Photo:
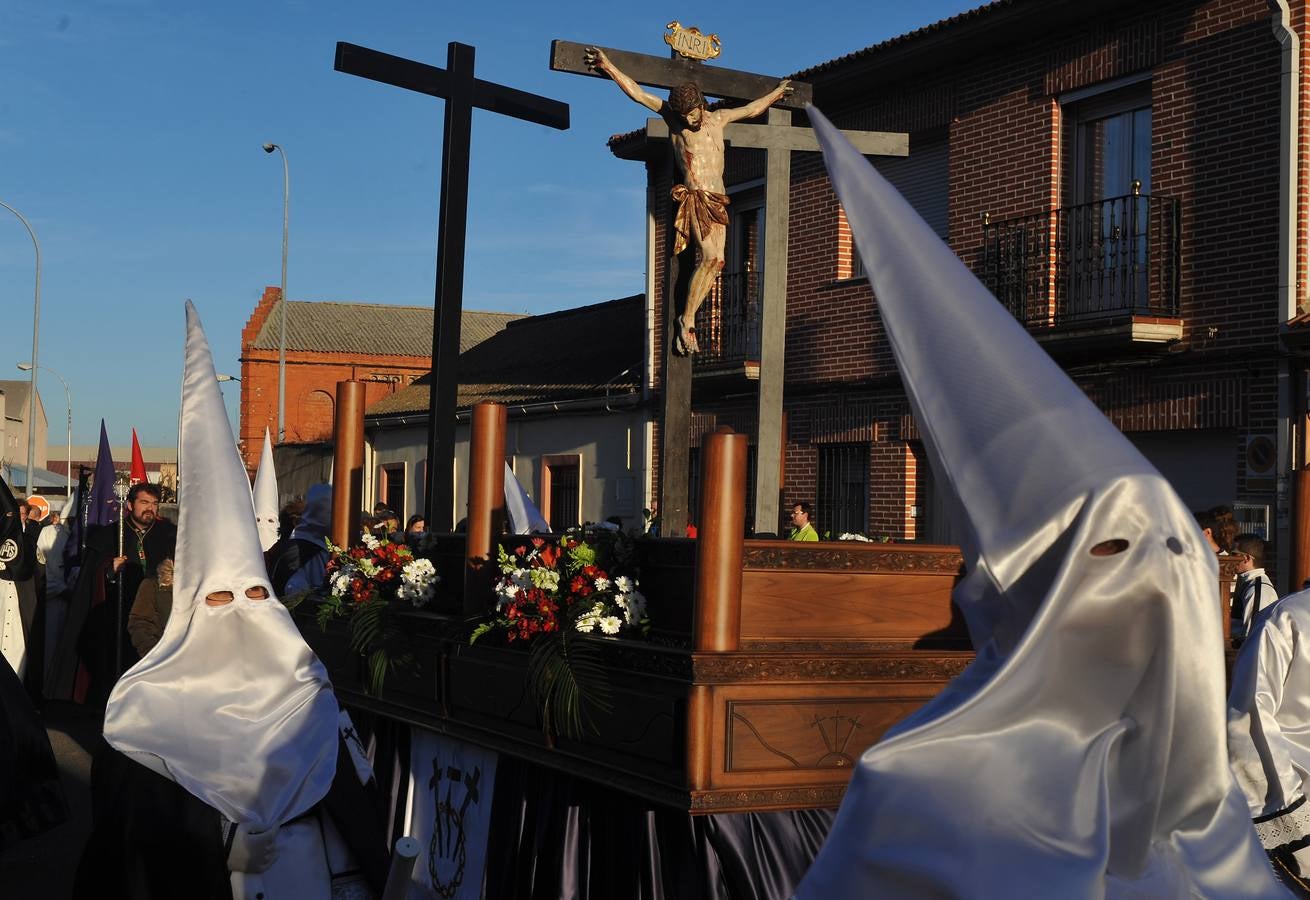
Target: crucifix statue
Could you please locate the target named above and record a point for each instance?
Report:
(698, 136)
(696, 133)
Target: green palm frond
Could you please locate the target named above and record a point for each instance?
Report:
(568, 682)
(367, 625)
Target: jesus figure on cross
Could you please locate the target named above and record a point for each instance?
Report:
(697, 136)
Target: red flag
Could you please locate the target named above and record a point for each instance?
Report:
(138, 473)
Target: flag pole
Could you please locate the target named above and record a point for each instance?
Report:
(120, 489)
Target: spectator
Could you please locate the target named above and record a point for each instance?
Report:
(1205, 520)
(1225, 527)
(1254, 592)
(415, 530)
(801, 527)
(289, 517)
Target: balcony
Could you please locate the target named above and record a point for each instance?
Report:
(728, 329)
(1101, 275)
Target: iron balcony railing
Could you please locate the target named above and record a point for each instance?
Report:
(1110, 258)
(728, 322)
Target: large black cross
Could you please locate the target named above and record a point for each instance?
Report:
(462, 92)
(778, 139)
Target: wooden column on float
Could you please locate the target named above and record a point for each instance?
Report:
(486, 490)
(720, 542)
(348, 463)
(719, 554)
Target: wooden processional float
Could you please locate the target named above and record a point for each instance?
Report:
(771, 665)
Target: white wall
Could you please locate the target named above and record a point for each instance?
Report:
(613, 476)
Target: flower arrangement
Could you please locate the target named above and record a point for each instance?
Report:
(551, 593)
(544, 587)
(379, 570)
(363, 581)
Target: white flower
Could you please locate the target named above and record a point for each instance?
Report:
(589, 620)
(623, 584)
(369, 541)
(419, 572)
(341, 582)
(635, 607)
(602, 584)
(854, 536)
(610, 624)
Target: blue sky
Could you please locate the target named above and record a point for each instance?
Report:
(130, 135)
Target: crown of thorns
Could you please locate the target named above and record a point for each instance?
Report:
(686, 97)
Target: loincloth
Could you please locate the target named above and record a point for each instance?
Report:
(697, 208)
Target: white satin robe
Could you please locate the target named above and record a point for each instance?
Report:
(1269, 723)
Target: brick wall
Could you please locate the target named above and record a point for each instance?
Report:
(1212, 70)
(311, 383)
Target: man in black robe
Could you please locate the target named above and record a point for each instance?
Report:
(148, 540)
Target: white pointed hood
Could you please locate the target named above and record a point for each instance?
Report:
(265, 496)
(1083, 754)
(231, 703)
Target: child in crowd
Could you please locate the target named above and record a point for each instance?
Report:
(1253, 591)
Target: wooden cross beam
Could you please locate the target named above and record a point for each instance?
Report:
(793, 137)
(661, 71)
(462, 93)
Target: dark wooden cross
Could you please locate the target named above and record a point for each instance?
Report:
(462, 92)
(778, 139)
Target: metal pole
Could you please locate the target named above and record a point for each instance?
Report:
(282, 338)
(36, 331)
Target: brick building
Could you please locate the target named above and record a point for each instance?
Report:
(387, 347)
(1128, 179)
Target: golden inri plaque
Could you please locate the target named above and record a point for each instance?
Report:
(690, 43)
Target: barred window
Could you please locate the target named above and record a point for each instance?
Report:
(842, 501)
(694, 487)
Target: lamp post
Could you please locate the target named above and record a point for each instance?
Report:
(68, 403)
(282, 339)
(36, 332)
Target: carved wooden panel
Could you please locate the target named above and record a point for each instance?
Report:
(790, 605)
(775, 736)
(799, 735)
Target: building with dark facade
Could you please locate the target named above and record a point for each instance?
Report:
(1129, 181)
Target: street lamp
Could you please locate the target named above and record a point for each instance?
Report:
(282, 339)
(36, 331)
(68, 403)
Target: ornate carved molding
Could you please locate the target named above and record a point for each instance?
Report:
(946, 561)
(782, 798)
(827, 647)
(646, 659)
(724, 668)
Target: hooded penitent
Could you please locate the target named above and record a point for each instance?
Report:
(265, 495)
(1083, 753)
(231, 703)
